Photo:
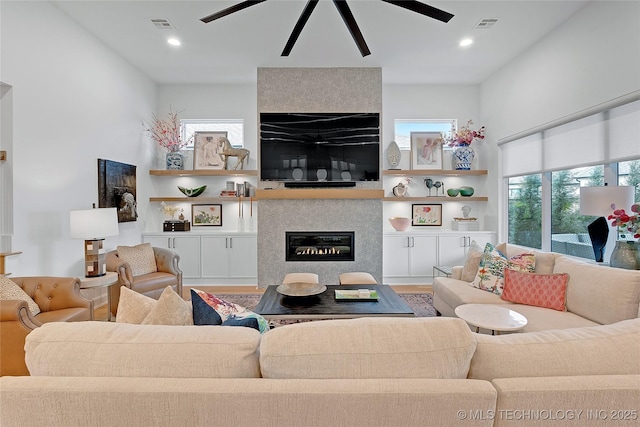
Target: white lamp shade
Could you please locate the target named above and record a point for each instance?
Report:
(94, 223)
(597, 201)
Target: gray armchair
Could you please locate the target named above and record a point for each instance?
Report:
(152, 284)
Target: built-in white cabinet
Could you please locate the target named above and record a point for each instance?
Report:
(409, 257)
(212, 258)
(231, 256)
(187, 246)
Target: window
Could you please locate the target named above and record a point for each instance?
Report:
(233, 127)
(543, 192)
(403, 129)
(525, 211)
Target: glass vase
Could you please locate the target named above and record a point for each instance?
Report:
(624, 255)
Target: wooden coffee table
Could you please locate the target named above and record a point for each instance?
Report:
(492, 317)
(275, 306)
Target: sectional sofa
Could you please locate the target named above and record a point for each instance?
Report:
(359, 372)
(595, 294)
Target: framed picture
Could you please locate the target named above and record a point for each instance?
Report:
(206, 150)
(117, 189)
(426, 150)
(202, 215)
(428, 215)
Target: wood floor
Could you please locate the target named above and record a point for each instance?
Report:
(100, 313)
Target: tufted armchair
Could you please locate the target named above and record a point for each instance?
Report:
(151, 284)
(59, 300)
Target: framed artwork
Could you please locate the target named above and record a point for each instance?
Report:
(203, 215)
(117, 188)
(426, 150)
(206, 150)
(426, 215)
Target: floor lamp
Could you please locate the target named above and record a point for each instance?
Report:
(598, 201)
(93, 225)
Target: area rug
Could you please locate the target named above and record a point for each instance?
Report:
(420, 303)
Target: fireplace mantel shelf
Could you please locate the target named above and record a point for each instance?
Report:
(315, 193)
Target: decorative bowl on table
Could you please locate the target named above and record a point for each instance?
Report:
(466, 191)
(300, 289)
(400, 223)
(192, 192)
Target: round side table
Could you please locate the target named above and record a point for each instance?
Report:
(492, 317)
(101, 282)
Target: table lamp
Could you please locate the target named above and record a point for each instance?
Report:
(597, 201)
(93, 225)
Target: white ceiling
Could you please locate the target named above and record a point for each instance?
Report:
(409, 47)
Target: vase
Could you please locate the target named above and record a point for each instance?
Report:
(624, 255)
(175, 161)
(463, 157)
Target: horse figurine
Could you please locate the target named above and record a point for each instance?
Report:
(226, 150)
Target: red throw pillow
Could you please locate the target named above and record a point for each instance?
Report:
(540, 290)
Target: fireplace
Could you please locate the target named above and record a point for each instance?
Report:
(319, 245)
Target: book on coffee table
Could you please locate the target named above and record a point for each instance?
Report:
(356, 295)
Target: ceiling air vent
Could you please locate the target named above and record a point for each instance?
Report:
(486, 23)
(162, 24)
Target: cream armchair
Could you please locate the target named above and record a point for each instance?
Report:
(151, 284)
(59, 300)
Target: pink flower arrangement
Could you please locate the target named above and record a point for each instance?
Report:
(167, 132)
(626, 223)
(463, 136)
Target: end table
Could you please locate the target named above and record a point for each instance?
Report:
(100, 282)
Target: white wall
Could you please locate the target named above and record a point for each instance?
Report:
(594, 57)
(74, 101)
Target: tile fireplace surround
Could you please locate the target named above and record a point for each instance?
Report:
(319, 90)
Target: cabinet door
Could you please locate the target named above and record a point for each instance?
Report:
(215, 256)
(188, 247)
(452, 249)
(243, 257)
(395, 256)
(424, 255)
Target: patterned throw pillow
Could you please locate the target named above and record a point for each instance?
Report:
(540, 290)
(490, 275)
(9, 290)
(228, 312)
(140, 258)
(133, 307)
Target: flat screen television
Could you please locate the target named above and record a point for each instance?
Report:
(317, 147)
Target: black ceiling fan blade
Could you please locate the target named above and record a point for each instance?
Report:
(302, 21)
(348, 19)
(423, 9)
(230, 10)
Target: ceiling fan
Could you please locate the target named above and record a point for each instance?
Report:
(345, 13)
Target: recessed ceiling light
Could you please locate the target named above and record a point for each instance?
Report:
(174, 42)
(465, 42)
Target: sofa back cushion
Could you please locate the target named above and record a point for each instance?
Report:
(108, 349)
(597, 350)
(369, 348)
(602, 294)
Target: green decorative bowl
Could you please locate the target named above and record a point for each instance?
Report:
(466, 191)
(192, 192)
(453, 192)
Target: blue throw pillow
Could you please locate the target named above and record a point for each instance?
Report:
(203, 313)
(249, 322)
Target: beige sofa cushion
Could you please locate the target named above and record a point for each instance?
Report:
(369, 348)
(602, 294)
(100, 349)
(599, 350)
